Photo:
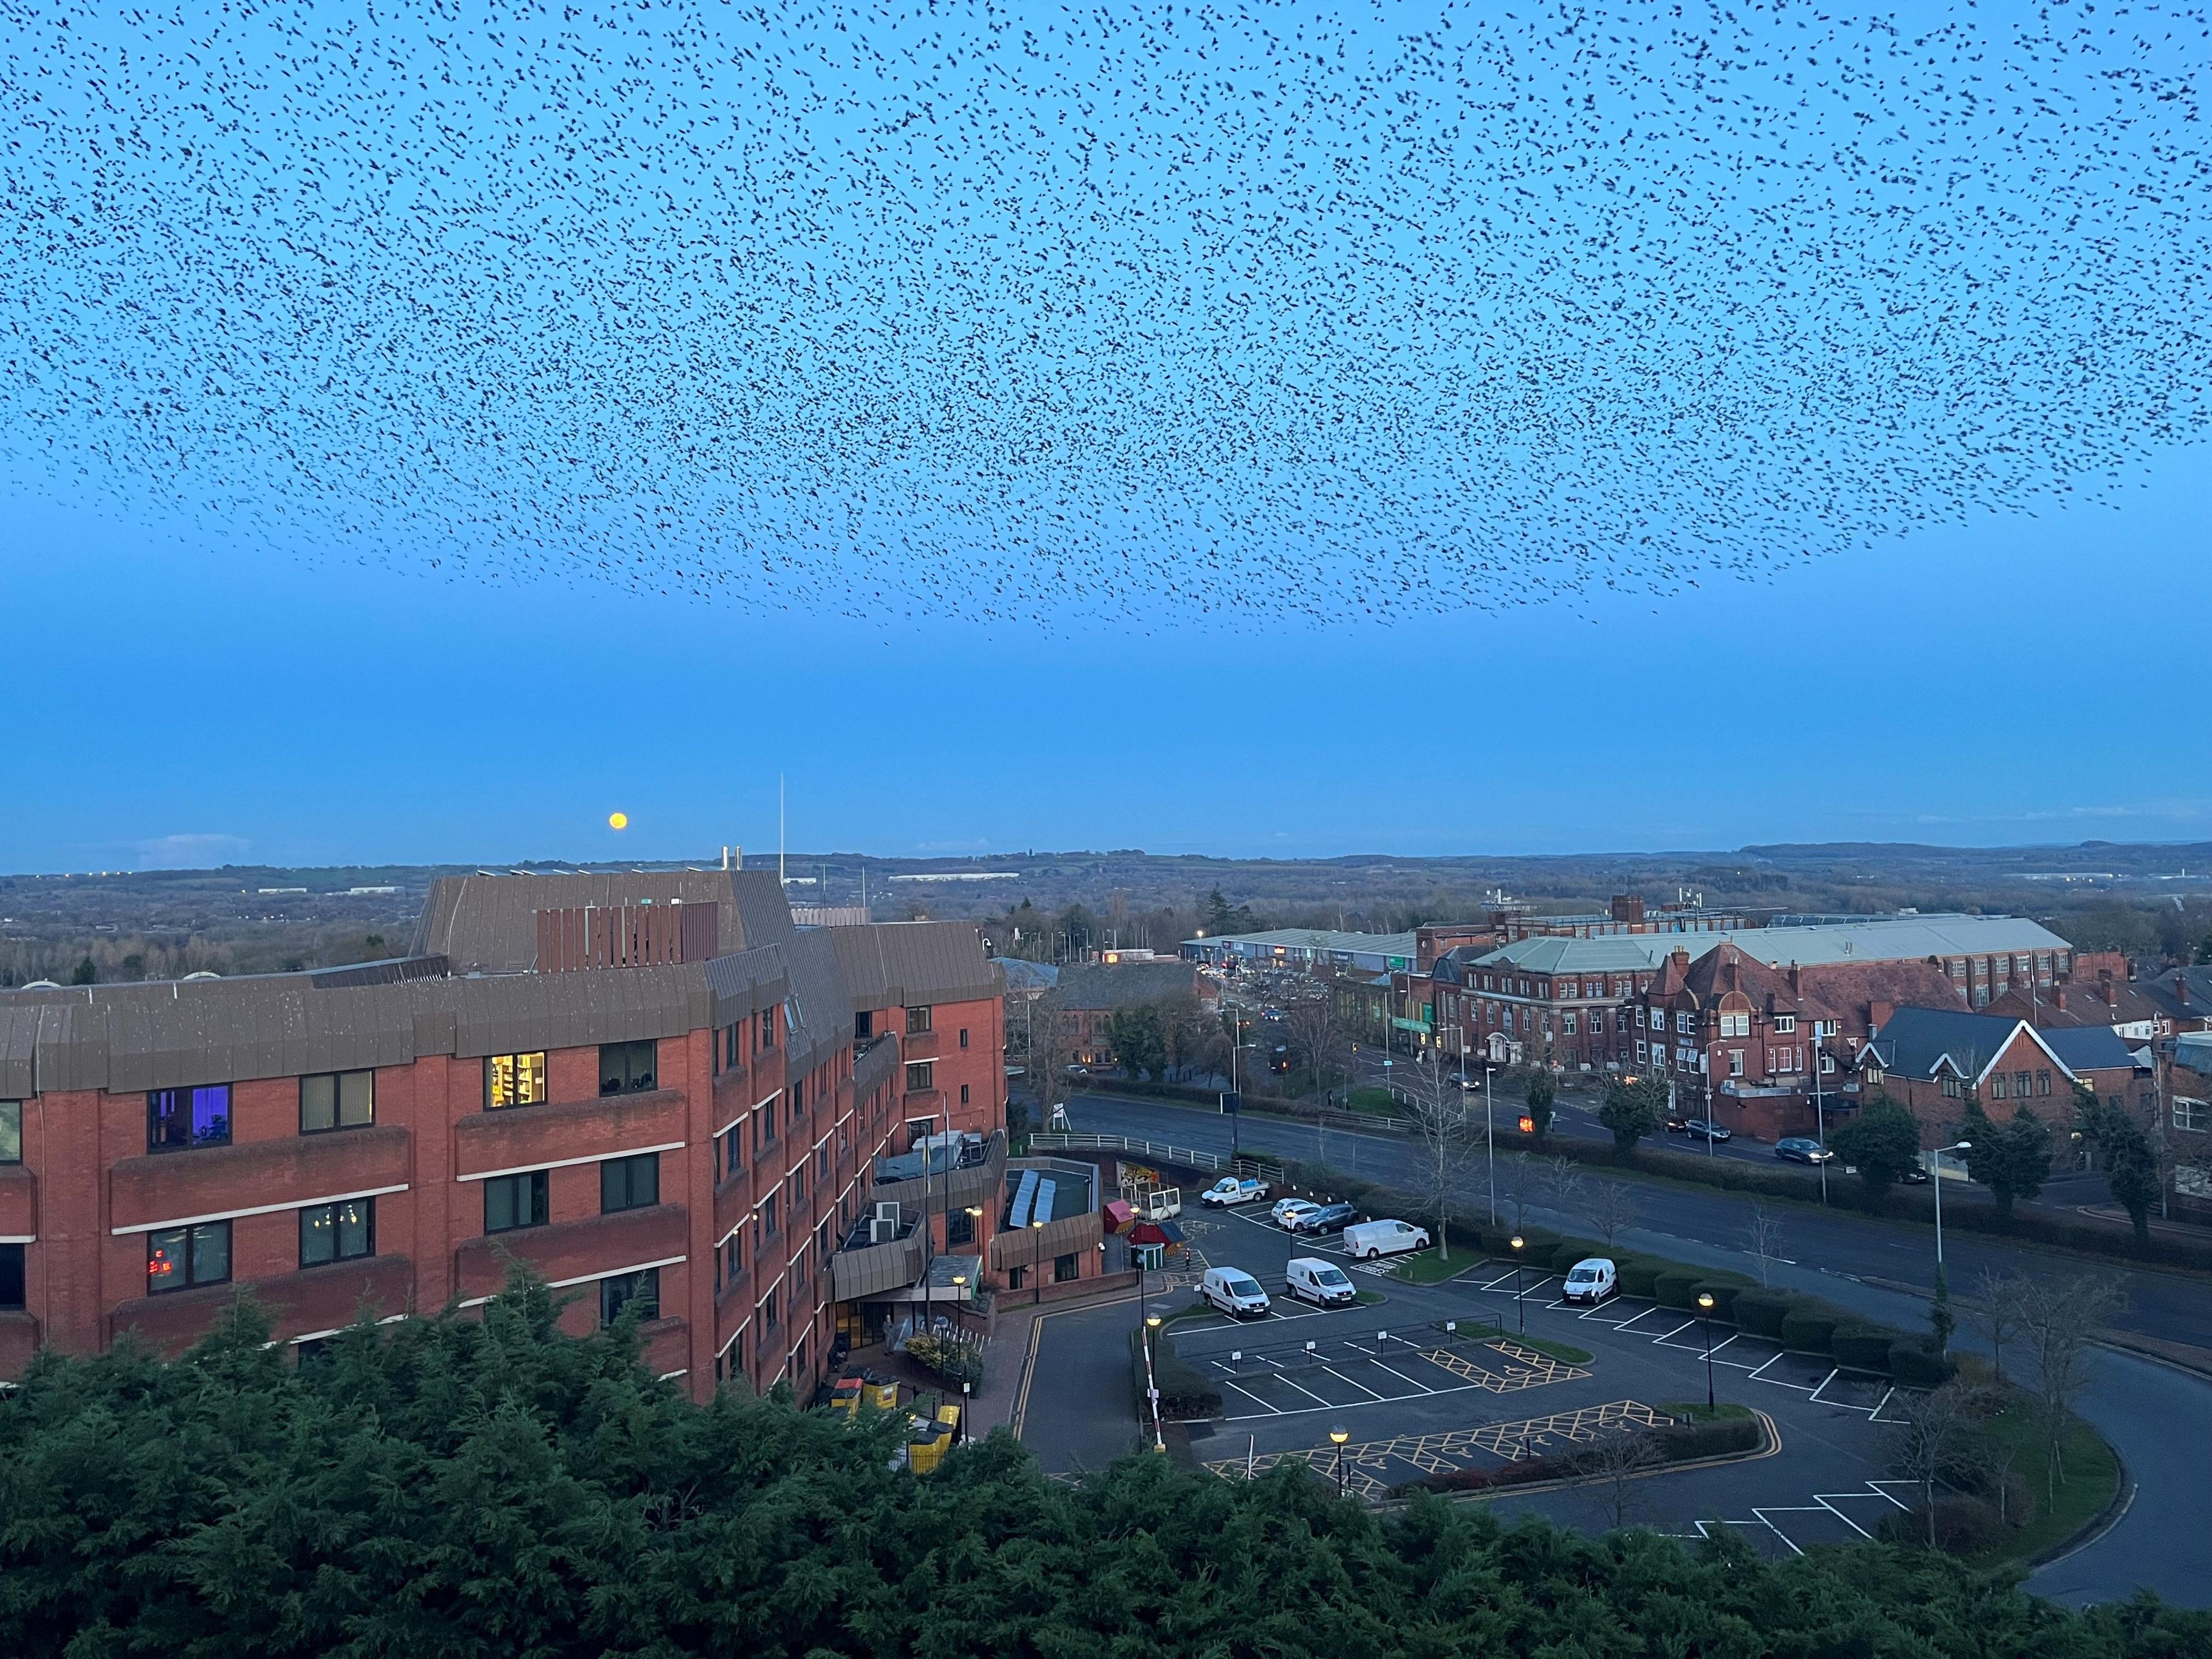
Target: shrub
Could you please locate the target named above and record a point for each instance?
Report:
(1675, 1287)
(1639, 1275)
(1761, 1312)
(1185, 1391)
(1675, 1443)
(1680, 1442)
(1569, 1251)
(1809, 1328)
(1862, 1347)
(1964, 1525)
(947, 1358)
(1913, 1361)
(1723, 1292)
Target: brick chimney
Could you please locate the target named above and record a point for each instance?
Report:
(1793, 979)
(2058, 998)
(2112, 996)
(1681, 959)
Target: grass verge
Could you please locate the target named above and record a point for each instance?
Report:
(1698, 1412)
(1427, 1268)
(2092, 1481)
(1565, 1352)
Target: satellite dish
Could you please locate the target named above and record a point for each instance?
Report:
(42, 985)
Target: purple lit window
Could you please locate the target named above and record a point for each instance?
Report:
(177, 1118)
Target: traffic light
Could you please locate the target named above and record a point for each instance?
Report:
(1528, 1124)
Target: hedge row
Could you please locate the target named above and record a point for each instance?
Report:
(1185, 1391)
(1676, 1443)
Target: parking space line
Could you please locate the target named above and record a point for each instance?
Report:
(1661, 1340)
(1423, 1388)
(1356, 1406)
(1362, 1387)
(1800, 1387)
(1309, 1393)
(1272, 1411)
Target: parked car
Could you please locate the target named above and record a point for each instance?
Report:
(1591, 1279)
(1322, 1283)
(1802, 1149)
(1367, 1240)
(1326, 1220)
(1698, 1130)
(1232, 1190)
(1287, 1208)
(1234, 1291)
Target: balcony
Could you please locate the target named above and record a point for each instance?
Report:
(864, 1267)
(965, 1178)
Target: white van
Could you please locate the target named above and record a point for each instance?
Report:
(1234, 1291)
(1591, 1279)
(1366, 1240)
(1322, 1283)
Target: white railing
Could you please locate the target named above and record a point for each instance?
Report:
(1188, 1156)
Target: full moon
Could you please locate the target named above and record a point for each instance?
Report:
(617, 820)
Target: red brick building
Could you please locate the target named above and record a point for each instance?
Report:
(644, 1086)
(930, 984)
(1933, 1059)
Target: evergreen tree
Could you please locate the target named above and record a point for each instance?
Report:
(86, 973)
(2012, 1159)
(2130, 1159)
(1542, 1094)
(1219, 918)
(1883, 1141)
(1632, 1110)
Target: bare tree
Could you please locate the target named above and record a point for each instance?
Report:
(2060, 1318)
(1318, 1038)
(1763, 1235)
(1939, 1434)
(1612, 1209)
(1049, 1047)
(1563, 1182)
(1520, 1184)
(1614, 1461)
(1442, 1134)
(1997, 1311)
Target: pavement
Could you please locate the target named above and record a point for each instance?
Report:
(2152, 1412)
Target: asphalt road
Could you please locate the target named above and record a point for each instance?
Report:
(2153, 1414)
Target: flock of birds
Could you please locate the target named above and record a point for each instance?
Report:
(1133, 311)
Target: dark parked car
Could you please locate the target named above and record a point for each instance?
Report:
(1697, 1128)
(1326, 1220)
(1804, 1149)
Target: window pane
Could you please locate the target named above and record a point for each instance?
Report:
(642, 1058)
(11, 1131)
(356, 1228)
(212, 1253)
(356, 1099)
(211, 1114)
(499, 1204)
(645, 1179)
(613, 1058)
(319, 1103)
(11, 1276)
(164, 1259)
(318, 1228)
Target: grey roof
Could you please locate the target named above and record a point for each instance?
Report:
(2088, 1047)
(1317, 939)
(1923, 1042)
(1022, 975)
(1880, 939)
(488, 924)
(823, 1010)
(1093, 985)
(1609, 953)
(2194, 1050)
(907, 964)
(2166, 992)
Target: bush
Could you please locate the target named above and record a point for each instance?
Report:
(1186, 1392)
(1639, 1275)
(1914, 1362)
(947, 1358)
(1676, 1443)
(1676, 1287)
(1680, 1442)
(1761, 1312)
(1810, 1328)
(1723, 1292)
(1862, 1347)
(1568, 1251)
(1964, 1525)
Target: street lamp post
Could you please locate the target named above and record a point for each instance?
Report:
(1520, 1304)
(1490, 1138)
(1705, 1319)
(1962, 1147)
(1337, 1438)
(1151, 1377)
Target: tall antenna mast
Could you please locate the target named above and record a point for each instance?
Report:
(779, 829)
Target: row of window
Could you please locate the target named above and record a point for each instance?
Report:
(1621, 989)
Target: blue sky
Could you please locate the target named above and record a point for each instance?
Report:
(182, 697)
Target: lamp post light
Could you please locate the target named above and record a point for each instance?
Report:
(1337, 1438)
(1520, 1304)
(1152, 1380)
(1705, 1319)
(1490, 1138)
(1937, 1173)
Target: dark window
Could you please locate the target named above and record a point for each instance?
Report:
(630, 1184)
(799, 1187)
(1014, 1278)
(626, 1068)
(2042, 1083)
(515, 1201)
(964, 1094)
(337, 1232)
(920, 1074)
(1064, 1267)
(513, 1080)
(917, 1020)
(798, 1095)
(730, 1047)
(963, 1036)
(822, 1160)
(11, 1131)
(768, 1313)
(959, 1229)
(864, 1025)
(767, 1027)
(733, 1151)
(767, 1137)
(177, 1118)
(177, 1257)
(617, 1292)
(2021, 1082)
(11, 1276)
(734, 1254)
(768, 1215)
(336, 1100)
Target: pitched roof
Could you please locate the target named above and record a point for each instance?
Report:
(1843, 994)
(908, 964)
(1317, 939)
(2089, 1047)
(1022, 975)
(1609, 953)
(2184, 994)
(2105, 1002)
(1898, 939)
(1923, 1042)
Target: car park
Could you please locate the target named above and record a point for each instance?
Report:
(1366, 1240)
(1232, 1190)
(1698, 1130)
(1322, 1283)
(1591, 1279)
(1802, 1149)
(1326, 1220)
(1287, 1209)
(1235, 1292)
